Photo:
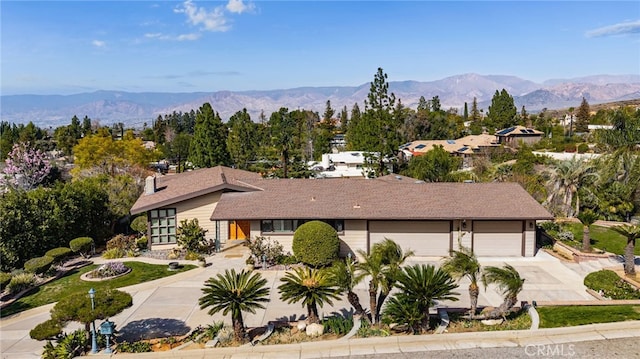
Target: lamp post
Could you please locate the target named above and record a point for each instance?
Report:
(94, 340)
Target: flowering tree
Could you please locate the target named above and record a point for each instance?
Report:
(25, 167)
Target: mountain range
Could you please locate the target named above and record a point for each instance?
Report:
(134, 109)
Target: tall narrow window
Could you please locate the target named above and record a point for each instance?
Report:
(163, 225)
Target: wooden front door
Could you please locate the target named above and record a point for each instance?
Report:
(239, 229)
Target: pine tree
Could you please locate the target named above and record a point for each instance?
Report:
(209, 144)
(344, 119)
(524, 116)
(502, 112)
(465, 114)
(242, 139)
(582, 116)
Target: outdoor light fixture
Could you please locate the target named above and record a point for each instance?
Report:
(464, 224)
(94, 340)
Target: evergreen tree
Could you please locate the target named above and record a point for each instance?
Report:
(283, 130)
(423, 105)
(242, 140)
(344, 119)
(524, 117)
(209, 144)
(435, 104)
(465, 115)
(582, 116)
(502, 112)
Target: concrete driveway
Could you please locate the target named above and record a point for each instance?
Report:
(169, 306)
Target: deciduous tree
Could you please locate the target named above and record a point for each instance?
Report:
(25, 168)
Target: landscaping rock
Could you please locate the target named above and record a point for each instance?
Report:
(314, 330)
(301, 325)
(492, 321)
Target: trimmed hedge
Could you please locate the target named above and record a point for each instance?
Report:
(611, 285)
(59, 254)
(48, 330)
(81, 245)
(38, 265)
(5, 278)
(316, 243)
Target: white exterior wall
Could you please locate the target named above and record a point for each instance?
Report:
(425, 238)
(530, 239)
(201, 208)
(461, 236)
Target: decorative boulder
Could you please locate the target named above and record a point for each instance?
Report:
(492, 321)
(314, 330)
(301, 325)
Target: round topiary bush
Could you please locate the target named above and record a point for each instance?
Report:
(59, 254)
(139, 224)
(316, 243)
(38, 265)
(81, 245)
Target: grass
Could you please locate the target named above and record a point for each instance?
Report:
(554, 317)
(71, 283)
(602, 238)
(515, 321)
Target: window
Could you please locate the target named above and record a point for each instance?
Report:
(163, 225)
(290, 225)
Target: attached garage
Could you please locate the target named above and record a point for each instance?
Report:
(425, 238)
(497, 238)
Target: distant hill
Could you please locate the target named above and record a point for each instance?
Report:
(135, 108)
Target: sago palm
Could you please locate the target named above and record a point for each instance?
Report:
(235, 293)
(310, 286)
(345, 276)
(632, 233)
(464, 264)
(587, 217)
(419, 286)
(509, 283)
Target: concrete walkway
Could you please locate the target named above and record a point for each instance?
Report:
(169, 306)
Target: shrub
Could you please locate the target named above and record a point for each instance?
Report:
(192, 256)
(38, 265)
(142, 243)
(72, 345)
(20, 282)
(46, 330)
(139, 224)
(113, 253)
(81, 245)
(5, 278)
(264, 246)
(338, 325)
(288, 259)
(583, 147)
(316, 243)
(59, 254)
(550, 227)
(610, 285)
(123, 242)
(191, 236)
(565, 236)
(135, 347)
(109, 269)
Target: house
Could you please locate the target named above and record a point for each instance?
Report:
(494, 219)
(516, 135)
(341, 164)
(465, 147)
(169, 199)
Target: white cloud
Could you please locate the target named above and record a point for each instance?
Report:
(98, 43)
(238, 7)
(630, 27)
(155, 35)
(188, 37)
(183, 37)
(210, 20)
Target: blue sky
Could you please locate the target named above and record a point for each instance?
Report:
(65, 47)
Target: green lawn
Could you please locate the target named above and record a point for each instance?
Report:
(554, 317)
(71, 283)
(603, 238)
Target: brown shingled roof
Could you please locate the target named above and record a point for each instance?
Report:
(378, 199)
(179, 187)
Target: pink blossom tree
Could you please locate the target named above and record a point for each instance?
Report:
(25, 167)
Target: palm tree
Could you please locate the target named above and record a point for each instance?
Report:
(235, 292)
(565, 179)
(419, 286)
(632, 233)
(587, 218)
(382, 266)
(464, 264)
(345, 276)
(311, 286)
(509, 283)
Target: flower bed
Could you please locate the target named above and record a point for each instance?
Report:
(106, 271)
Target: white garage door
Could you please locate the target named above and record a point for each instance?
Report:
(425, 238)
(497, 238)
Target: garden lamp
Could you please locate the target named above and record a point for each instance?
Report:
(94, 340)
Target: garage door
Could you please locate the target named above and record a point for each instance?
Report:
(425, 238)
(497, 238)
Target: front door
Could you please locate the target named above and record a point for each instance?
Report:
(239, 229)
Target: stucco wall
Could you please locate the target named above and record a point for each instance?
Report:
(201, 208)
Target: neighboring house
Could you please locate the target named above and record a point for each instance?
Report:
(517, 135)
(167, 200)
(341, 164)
(464, 147)
(494, 219)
